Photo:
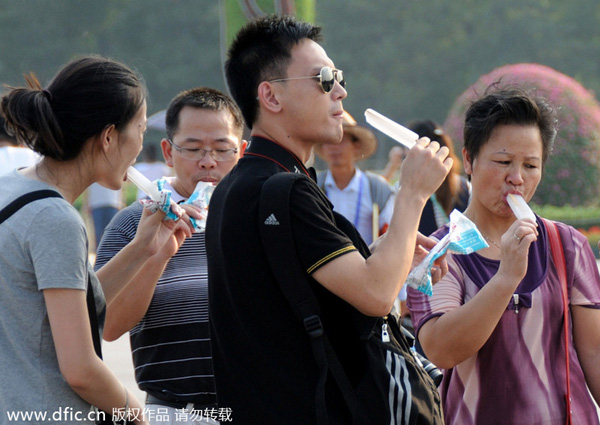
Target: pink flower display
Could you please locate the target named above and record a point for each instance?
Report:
(572, 173)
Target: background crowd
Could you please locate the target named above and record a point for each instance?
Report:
(356, 235)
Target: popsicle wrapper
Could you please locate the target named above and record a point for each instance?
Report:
(201, 198)
(164, 204)
(463, 238)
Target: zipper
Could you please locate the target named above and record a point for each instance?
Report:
(385, 336)
(516, 303)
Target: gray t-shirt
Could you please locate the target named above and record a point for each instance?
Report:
(43, 245)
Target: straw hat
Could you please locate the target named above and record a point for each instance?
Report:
(365, 138)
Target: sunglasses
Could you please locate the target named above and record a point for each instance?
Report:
(327, 78)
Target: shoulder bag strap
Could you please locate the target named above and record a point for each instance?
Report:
(23, 200)
(558, 256)
(276, 234)
(91, 305)
(15, 206)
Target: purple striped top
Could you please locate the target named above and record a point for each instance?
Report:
(518, 376)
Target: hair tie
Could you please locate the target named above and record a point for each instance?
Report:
(47, 94)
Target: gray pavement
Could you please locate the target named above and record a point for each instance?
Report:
(117, 355)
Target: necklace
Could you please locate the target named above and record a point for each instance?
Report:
(491, 240)
(482, 234)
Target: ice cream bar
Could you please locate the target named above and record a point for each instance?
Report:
(519, 207)
(391, 128)
(143, 183)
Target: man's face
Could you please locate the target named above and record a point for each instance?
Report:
(207, 130)
(310, 115)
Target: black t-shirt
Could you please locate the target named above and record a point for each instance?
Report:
(263, 361)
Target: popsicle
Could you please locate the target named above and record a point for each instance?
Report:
(143, 183)
(519, 207)
(391, 128)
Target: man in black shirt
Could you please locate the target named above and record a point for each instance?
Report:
(291, 97)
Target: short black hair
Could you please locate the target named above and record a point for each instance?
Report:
(510, 105)
(202, 98)
(260, 52)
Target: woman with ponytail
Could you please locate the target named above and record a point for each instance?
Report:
(88, 126)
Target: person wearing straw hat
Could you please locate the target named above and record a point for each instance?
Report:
(364, 198)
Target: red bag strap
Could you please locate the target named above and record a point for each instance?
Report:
(558, 256)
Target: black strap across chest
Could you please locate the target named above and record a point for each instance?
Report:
(23, 200)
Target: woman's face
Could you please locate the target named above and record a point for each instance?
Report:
(128, 146)
(509, 162)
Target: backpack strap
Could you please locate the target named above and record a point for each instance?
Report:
(23, 200)
(276, 235)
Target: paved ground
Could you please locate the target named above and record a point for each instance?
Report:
(117, 355)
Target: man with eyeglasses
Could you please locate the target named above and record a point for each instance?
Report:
(291, 94)
(166, 308)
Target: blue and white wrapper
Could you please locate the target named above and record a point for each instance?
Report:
(463, 238)
(165, 203)
(201, 199)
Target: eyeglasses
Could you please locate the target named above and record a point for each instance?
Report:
(198, 154)
(327, 78)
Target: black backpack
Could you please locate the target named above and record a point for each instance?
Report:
(395, 388)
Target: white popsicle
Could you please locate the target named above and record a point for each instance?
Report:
(143, 183)
(519, 207)
(391, 128)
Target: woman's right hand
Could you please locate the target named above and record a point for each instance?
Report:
(181, 231)
(153, 232)
(514, 253)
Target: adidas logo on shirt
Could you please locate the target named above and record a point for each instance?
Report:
(271, 221)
